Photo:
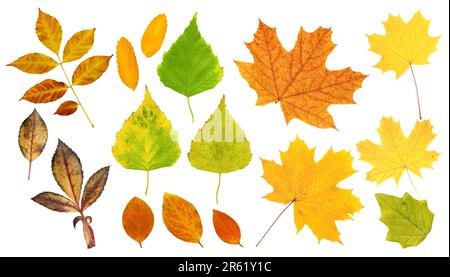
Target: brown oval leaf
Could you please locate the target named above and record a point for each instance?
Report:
(49, 31)
(33, 136)
(154, 35)
(78, 45)
(46, 91)
(67, 170)
(94, 187)
(55, 202)
(127, 64)
(137, 220)
(226, 228)
(182, 219)
(34, 63)
(67, 108)
(90, 70)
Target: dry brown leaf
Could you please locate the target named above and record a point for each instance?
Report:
(55, 202)
(94, 187)
(67, 108)
(78, 45)
(90, 70)
(34, 63)
(226, 228)
(127, 64)
(46, 91)
(154, 34)
(49, 31)
(137, 220)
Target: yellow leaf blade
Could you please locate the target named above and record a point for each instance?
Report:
(154, 35)
(90, 70)
(45, 91)
(78, 45)
(34, 63)
(49, 31)
(127, 64)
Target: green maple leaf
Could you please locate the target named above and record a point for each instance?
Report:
(190, 66)
(220, 146)
(409, 221)
(146, 140)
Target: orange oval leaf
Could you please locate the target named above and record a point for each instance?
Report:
(226, 228)
(49, 31)
(127, 64)
(46, 91)
(78, 45)
(137, 220)
(34, 63)
(67, 108)
(154, 35)
(90, 70)
(182, 219)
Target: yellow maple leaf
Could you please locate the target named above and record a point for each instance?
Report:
(396, 153)
(403, 45)
(312, 188)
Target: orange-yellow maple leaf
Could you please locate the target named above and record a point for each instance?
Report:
(312, 188)
(299, 79)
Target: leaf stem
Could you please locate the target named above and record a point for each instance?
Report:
(73, 90)
(190, 109)
(140, 244)
(200, 244)
(218, 187)
(29, 169)
(148, 181)
(412, 183)
(417, 91)
(273, 223)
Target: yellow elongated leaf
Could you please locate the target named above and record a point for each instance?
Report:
(182, 219)
(34, 63)
(49, 31)
(67, 170)
(46, 91)
(154, 35)
(67, 108)
(90, 70)
(55, 202)
(78, 45)
(127, 64)
(94, 187)
(33, 136)
(137, 220)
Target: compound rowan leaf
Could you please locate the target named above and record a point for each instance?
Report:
(190, 66)
(409, 221)
(55, 202)
(226, 228)
(127, 64)
(298, 79)
(94, 187)
(34, 63)
(146, 140)
(154, 35)
(90, 70)
(67, 108)
(220, 146)
(49, 31)
(312, 188)
(396, 153)
(46, 91)
(33, 136)
(137, 220)
(78, 45)
(182, 219)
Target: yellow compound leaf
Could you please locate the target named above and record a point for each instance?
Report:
(153, 37)
(127, 64)
(34, 63)
(90, 70)
(182, 219)
(137, 220)
(49, 31)
(78, 45)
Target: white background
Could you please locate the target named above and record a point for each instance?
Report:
(28, 229)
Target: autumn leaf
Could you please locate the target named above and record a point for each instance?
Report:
(68, 173)
(46, 91)
(220, 146)
(33, 136)
(49, 31)
(78, 45)
(299, 79)
(404, 45)
(396, 153)
(146, 140)
(409, 221)
(34, 63)
(312, 188)
(226, 228)
(67, 108)
(137, 220)
(90, 70)
(182, 219)
(127, 64)
(190, 67)
(154, 34)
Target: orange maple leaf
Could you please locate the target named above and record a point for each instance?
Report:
(298, 79)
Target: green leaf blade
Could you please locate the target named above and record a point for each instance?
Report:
(409, 221)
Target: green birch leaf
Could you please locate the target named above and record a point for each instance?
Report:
(146, 140)
(409, 221)
(190, 66)
(220, 146)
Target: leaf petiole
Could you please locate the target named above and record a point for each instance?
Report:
(148, 181)
(417, 91)
(275, 221)
(218, 187)
(190, 109)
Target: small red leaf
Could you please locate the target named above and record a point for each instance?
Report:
(67, 108)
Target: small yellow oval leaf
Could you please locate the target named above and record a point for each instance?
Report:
(49, 31)
(137, 220)
(90, 70)
(182, 219)
(127, 64)
(46, 91)
(78, 45)
(154, 35)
